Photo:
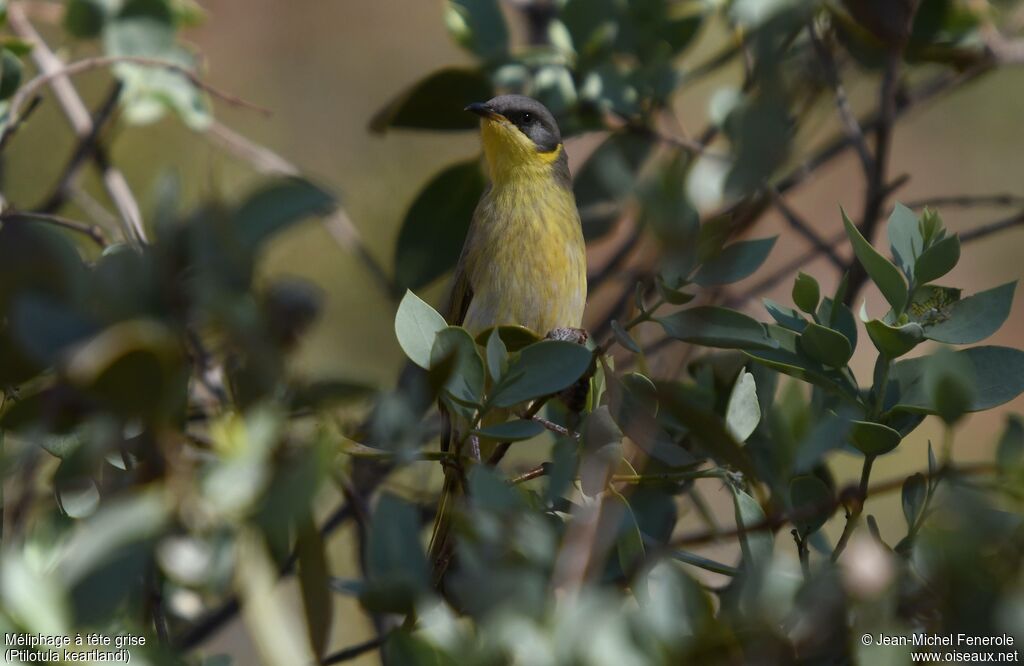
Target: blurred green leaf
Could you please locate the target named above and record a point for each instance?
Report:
(812, 500)
(397, 568)
(825, 345)
(743, 413)
(735, 262)
(974, 318)
(313, 582)
(542, 369)
(633, 410)
(1010, 450)
(84, 19)
(713, 326)
(10, 73)
(806, 293)
(515, 338)
(435, 226)
(437, 102)
(937, 260)
(276, 206)
(511, 431)
(77, 498)
(757, 546)
(789, 359)
(32, 595)
(629, 544)
(950, 383)
(416, 326)
(703, 425)
(873, 439)
(915, 489)
(478, 25)
(881, 271)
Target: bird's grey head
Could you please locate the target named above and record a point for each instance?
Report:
(528, 115)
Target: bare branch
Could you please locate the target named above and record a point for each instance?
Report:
(969, 200)
(92, 231)
(262, 159)
(55, 74)
(992, 228)
(803, 228)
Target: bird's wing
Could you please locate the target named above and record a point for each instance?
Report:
(462, 290)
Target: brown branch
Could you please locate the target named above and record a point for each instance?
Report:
(91, 231)
(804, 229)
(54, 73)
(968, 201)
(992, 227)
(355, 651)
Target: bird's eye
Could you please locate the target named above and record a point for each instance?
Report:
(527, 117)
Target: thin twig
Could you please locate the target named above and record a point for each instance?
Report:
(850, 123)
(54, 73)
(355, 651)
(13, 128)
(968, 201)
(50, 76)
(92, 231)
(803, 228)
(262, 159)
(540, 470)
(993, 227)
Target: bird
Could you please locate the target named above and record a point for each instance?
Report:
(523, 262)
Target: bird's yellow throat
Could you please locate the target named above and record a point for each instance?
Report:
(512, 155)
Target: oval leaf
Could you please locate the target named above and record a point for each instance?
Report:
(894, 341)
(743, 413)
(438, 102)
(812, 502)
(713, 326)
(998, 374)
(974, 318)
(806, 293)
(416, 326)
(873, 439)
(825, 345)
(511, 431)
(434, 228)
(915, 489)
(882, 272)
(541, 370)
(937, 260)
(735, 262)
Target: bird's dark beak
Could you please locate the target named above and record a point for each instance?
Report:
(483, 110)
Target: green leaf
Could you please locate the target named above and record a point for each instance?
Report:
(998, 374)
(634, 410)
(515, 338)
(438, 102)
(915, 490)
(713, 326)
(497, 355)
(891, 341)
(789, 359)
(466, 383)
(882, 272)
(416, 326)
(702, 424)
(624, 338)
(974, 318)
(812, 500)
(756, 545)
(806, 293)
(825, 345)
(743, 413)
(540, 370)
(671, 295)
(10, 73)
(629, 545)
(76, 497)
(937, 260)
(949, 380)
(275, 207)
(435, 226)
(313, 582)
(873, 439)
(396, 566)
(511, 431)
(905, 238)
(479, 26)
(84, 19)
(786, 317)
(735, 262)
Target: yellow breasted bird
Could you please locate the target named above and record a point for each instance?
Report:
(524, 258)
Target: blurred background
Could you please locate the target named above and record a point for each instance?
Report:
(324, 67)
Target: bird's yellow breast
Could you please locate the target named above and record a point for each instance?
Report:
(525, 258)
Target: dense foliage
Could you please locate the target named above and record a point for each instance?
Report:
(162, 468)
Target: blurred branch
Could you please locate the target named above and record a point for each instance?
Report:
(88, 148)
(54, 73)
(92, 231)
(969, 200)
(268, 162)
(354, 651)
(13, 128)
(857, 501)
(992, 227)
(876, 190)
(803, 228)
(853, 130)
